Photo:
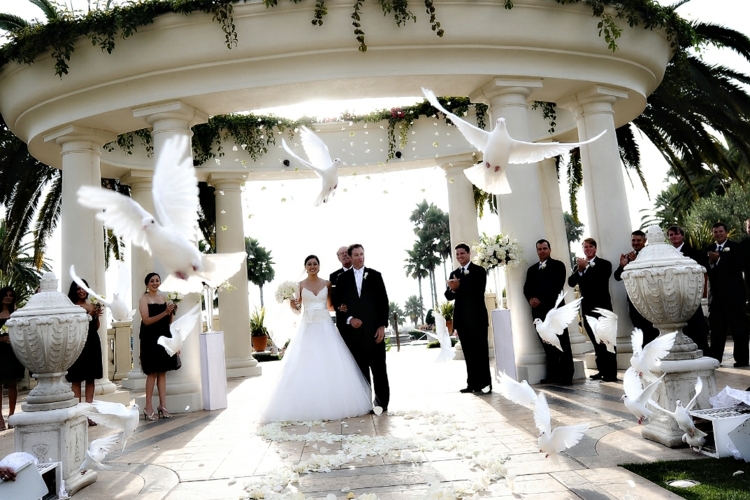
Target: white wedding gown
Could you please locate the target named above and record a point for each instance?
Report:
(319, 379)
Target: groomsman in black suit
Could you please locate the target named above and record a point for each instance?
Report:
(466, 286)
(346, 264)
(361, 304)
(637, 241)
(592, 277)
(724, 263)
(696, 328)
(544, 282)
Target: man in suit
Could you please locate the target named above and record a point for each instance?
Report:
(637, 242)
(592, 277)
(724, 264)
(696, 328)
(544, 282)
(346, 264)
(361, 304)
(466, 286)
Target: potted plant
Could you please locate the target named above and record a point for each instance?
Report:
(258, 330)
(446, 311)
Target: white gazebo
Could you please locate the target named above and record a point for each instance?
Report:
(177, 72)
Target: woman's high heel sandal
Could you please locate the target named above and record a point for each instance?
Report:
(163, 413)
(147, 417)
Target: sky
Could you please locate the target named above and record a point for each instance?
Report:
(374, 210)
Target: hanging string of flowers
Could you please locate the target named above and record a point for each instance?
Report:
(497, 251)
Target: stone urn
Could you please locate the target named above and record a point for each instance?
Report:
(666, 288)
(47, 336)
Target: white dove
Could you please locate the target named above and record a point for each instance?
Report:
(117, 306)
(447, 352)
(180, 329)
(518, 392)
(500, 149)
(604, 328)
(97, 451)
(681, 415)
(116, 416)
(320, 161)
(557, 320)
(649, 356)
(695, 442)
(553, 441)
(171, 235)
(636, 397)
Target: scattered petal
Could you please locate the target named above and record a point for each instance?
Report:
(738, 472)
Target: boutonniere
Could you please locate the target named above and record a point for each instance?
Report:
(466, 272)
(365, 276)
(725, 249)
(543, 265)
(591, 264)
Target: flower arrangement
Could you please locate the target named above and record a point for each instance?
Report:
(497, 252)
(175, 297)
(286, 291)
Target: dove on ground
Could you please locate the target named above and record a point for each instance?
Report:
(180, 329)
(319, 161)
(518, 392)
(649, 356)
(116, 416)
(553, 441)
(447, 352)
(695, 442)
(604, 328)
(557, 320)
(97, 451)
(500, 149)
(681, 414)
(117, 306)
(171, 234)
(636, 397)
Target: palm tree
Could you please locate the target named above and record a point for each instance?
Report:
(437, 227)
(394, 308)
(415, 270)
(259, 265)
(414, 309)
(17, 267)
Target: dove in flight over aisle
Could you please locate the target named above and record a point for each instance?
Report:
(447, 352)
(117, 306)
(97, 451)
(557, 320)
(320, 162)
(648, 357)
(520, 393)
(116, 416)
(682, 416)
(636, 397)
(171, 235)
(500, 149)
(180, 329)
(553, 441)
(604, 328)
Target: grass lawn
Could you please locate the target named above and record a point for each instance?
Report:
(715, 475)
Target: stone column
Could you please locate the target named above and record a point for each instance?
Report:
(234, 306)
(82, 234)
(606, 200)
(521, 217)
(141, 263)
(461, 209)
(554, 226)
(173, 120)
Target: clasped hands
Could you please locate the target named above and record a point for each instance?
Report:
(453, 284)
(713, 257)
(627, 257)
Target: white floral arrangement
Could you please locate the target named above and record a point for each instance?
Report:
(286, 291)
(175, 297)
(226, 287)
(497, 251)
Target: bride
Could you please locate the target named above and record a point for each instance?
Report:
(319, 379)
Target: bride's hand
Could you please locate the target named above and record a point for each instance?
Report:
(294, 304)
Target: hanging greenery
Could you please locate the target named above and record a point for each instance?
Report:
(27, 42)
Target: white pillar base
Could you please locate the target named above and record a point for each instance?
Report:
(136, 381)
(582, 347)
(104, 386)
(531, 373)
(249, 370)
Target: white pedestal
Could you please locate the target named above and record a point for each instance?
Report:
(213, 371)
(505, 356)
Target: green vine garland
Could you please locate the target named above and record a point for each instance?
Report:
(102, 26)
(549, 112)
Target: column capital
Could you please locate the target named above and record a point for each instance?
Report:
(505, 89)
(76, 133)
(138, 179)
(598, 98)
(221, 179)
(169, 116)
(457, 163)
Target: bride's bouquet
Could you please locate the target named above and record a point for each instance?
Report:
(497, 252)
(286, 291)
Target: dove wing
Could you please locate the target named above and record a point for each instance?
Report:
(607, 321)
(656, 405)
(432, 335)
(631, 384)
(171, 345)
(517, 392)
(593, 322)
(559, 318)
(219, 267)
(316, 150)
(658, 348)
(112, 415)
(649, 391)
(104, 444)
(441, 328)
(567, 436)
(636, 339)
(698, 390)
(175, 188)
(185, 324)
(171, 283)
(532, 152)
(121, 214)
(475, 135)
(80, 283)
(297, 157)
(541, 414)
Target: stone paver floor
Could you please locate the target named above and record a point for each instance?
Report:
(210, 455)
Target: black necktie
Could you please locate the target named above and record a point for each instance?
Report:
(461, 271)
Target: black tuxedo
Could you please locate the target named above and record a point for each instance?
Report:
(333, 278)
(697, 327)
(545, 285)
(727, 301)
(471, 322)
(371, 307)
(650, 332)
(593, 283)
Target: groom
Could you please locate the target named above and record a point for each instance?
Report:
(361, 304)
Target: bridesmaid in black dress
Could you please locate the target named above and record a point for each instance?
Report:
(10, 368)
(156, 316)
(88, 367)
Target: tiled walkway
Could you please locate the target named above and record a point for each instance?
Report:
(211, 455)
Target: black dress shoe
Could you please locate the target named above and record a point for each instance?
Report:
(596, 376)
(466, 390)
(740, 365)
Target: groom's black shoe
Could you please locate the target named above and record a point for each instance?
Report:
(466, 390)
